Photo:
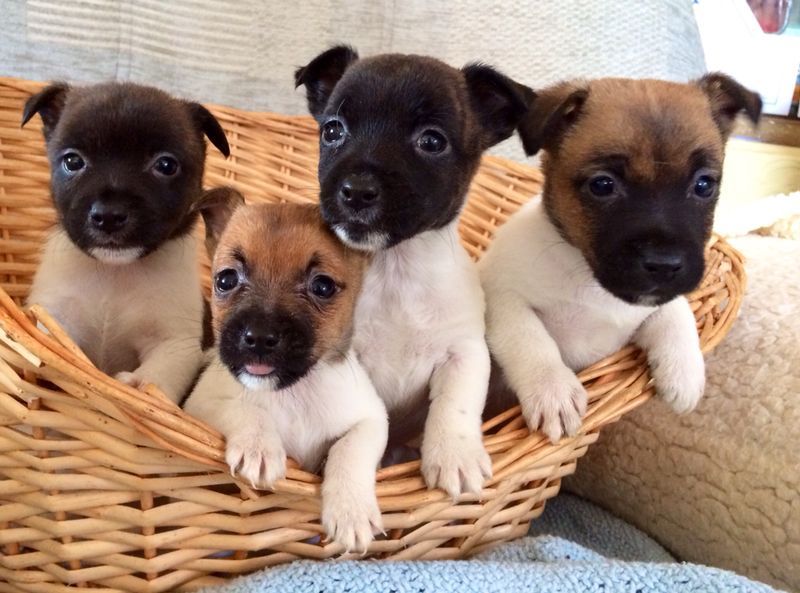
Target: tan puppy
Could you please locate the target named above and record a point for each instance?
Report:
(283, 380)
(632, 171)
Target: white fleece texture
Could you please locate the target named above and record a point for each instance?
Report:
(721, 486)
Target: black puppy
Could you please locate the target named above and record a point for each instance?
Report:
(119, 271)
(401, 137)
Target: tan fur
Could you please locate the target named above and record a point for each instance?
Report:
(279, 242)
(656, 124)
(332, 411)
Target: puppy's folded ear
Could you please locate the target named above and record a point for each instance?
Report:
(209, 126)
(48, 103)
(554, 110)
(728, 98)
(216, 206)
(499, 102)
(322, 73)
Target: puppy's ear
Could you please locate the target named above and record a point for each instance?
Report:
(554, 110)
(728, 98)
(322, 73)
(216, 206)
(209, 125)
(499, 102)
(48, 103)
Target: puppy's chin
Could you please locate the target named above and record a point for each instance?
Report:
(116, 256)
(362, 240)
(644, 298)
(258, 382)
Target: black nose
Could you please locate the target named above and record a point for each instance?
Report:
(661, 266)
(359, 192)
(259, 340)
(108, 217)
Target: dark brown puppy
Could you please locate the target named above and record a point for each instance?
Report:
(126, 162)
(632, 173)
(401, 137)
(126, 167)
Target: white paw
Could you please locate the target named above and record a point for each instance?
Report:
(679, 376)
(131, 379)
(256, 457)
(349, 517)
(557, 406)
(455, 462)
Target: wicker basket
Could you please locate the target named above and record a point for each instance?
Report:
(105, 487)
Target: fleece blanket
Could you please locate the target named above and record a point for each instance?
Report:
(575, 547)
(720, 485)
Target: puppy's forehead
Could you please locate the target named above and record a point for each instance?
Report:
(394, 83)
(113, 116)
(280, 240)
(654, 124)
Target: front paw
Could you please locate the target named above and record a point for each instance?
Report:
(455, 463)
(557, 405)
(679, 376)
(350, 518)
(131, 379)
(256, 457)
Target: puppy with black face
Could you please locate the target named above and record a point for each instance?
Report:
(401, 137)
(632, 172)
(119, 271)
(284, 380)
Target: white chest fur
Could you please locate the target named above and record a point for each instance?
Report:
(530, 258)
(418, 300)
(547, 316)
(307, 416)
(118, 314)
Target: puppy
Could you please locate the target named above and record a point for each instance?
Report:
(632, 172)
(401, 137)
(119, 272)
(284, 379)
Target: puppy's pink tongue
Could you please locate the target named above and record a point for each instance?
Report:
(258, 369)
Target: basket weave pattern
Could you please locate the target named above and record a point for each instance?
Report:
(102, 486)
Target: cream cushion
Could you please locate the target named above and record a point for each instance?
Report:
(721, 486)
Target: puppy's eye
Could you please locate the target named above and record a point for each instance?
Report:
(72, 162)
(705, 186)
(226, 280)
(432, 142)
(602, 186)
(322, 286)
(166, 166)
(333, 132)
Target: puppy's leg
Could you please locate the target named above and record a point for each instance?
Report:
(171, 365)
(453, 456)
(550, 394)
(669, 337)
(350, 513)
(254, 451)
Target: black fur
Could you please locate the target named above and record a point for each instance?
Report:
(291, 356)
(386, 103)
(119, 130)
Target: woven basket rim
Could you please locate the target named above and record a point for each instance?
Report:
(207, 444)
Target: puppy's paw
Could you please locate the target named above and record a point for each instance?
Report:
(455, 462)
(131, 379)
(256, 457)
(679, 375)
(557, 406)
(349, 517)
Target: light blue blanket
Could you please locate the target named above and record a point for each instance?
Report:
(574, 547)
